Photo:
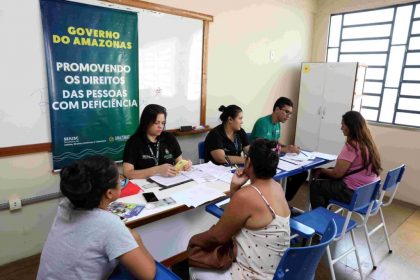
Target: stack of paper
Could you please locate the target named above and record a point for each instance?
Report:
(197, 195)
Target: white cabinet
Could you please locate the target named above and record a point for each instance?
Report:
(327, 91)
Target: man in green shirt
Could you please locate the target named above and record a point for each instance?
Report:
(268, 127)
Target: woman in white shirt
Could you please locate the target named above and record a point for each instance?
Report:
(257, 218)
(86, 241)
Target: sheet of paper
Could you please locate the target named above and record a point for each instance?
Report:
(324, 156)
(223, 202)
(227, 177)
(287, 166)
(302, 156)
(197, 195)
(217, 171)
(308, 154)
(169, 181)
(297, 162)
(199, 176)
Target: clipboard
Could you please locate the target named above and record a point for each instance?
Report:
(163, 187)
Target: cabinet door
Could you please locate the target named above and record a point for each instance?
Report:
(310, 104)
(338, 97)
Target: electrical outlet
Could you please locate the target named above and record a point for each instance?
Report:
(15, 204)
(272, 55)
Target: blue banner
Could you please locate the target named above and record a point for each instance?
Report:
(92, 66)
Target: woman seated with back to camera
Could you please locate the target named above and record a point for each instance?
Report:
(225, 143)
(257, 218)
(358, 164)
(152, 151)
(86, 241)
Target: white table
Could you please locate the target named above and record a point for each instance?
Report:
(166, 230)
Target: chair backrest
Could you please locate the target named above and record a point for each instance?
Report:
(364, 195)
(301, 263)
(163, 273)
(393, 179)
(201, 151)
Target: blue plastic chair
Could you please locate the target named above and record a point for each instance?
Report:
(393, 178)
(301, 263)
(319, 218)
(201, 152)
(162, 273)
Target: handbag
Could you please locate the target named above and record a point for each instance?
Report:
(326, 177)
(219, 256)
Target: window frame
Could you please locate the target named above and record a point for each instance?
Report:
(409, 35)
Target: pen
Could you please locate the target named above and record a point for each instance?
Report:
(303, 153)
(230, 163)
(288, 161)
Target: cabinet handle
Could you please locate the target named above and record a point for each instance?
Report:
(319, 110)
(324, 110)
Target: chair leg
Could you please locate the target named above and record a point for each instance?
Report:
(330, 263)
(385, 230)
(357, 254)
(369, 245)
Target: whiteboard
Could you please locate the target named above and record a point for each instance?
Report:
(170, 59)
(170, 69)
(24, 115)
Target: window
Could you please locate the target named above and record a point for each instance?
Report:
(387, 40)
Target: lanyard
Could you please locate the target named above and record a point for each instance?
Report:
(155, 157)
(236, 143)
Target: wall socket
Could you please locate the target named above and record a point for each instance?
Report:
(272, 55)
(15, 203)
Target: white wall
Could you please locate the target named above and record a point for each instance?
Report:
(396, 145)
(239, 72)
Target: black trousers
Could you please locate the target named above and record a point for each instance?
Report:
(322, 190)
(293, 184)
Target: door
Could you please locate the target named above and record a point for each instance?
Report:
(338, 97)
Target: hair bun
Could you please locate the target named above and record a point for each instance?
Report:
(222, 108)
(272, 145)
(78, 178)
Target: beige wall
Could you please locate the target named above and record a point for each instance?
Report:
(239, 71)
(396, 145)
(241, 37)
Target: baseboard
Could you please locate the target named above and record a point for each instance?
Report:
(10, 268)
(406, 204)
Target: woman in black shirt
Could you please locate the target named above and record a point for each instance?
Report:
(225, 143)
(152, 151)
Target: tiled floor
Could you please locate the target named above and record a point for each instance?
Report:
(403, 223)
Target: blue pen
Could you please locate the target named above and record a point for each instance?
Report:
(230, 163)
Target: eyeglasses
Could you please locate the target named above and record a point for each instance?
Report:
(288, 113)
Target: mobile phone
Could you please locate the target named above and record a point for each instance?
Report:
(150, 197)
